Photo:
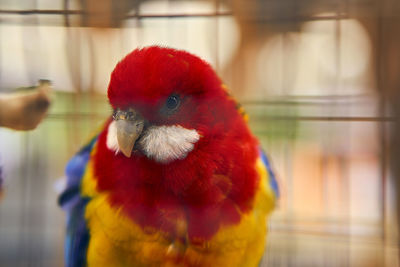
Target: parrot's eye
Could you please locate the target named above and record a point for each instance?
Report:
(171, 105)
(172, 102)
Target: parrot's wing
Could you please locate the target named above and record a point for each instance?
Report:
(272, 179)
(77, 236)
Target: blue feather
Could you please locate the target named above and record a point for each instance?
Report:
(77, 236)
(272, 179)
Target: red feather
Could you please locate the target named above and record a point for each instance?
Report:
(216, 180)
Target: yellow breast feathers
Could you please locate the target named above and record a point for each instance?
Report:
(115, 240)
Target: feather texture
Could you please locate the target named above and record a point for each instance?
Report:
(195, 191)
(272, 179)
(116, 234)
(71, 200)
(117, 240)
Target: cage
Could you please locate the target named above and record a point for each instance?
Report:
(317, 78)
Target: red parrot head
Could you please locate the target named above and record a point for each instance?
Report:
(164, 102)
(177, 146)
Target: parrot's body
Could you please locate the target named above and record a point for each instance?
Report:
(175, 178)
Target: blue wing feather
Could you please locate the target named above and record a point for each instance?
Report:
(77, 236)
(272, 179)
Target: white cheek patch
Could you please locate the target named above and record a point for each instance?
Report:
(112, 141)
(167, 143)
(161, 143)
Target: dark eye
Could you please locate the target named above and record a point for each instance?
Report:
(172, 102)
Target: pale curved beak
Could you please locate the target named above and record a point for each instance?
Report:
(128, 131)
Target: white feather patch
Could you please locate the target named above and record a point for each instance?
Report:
(112, 141)
(161, 143)
(168, 143)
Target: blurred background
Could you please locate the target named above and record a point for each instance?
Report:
(319, 80)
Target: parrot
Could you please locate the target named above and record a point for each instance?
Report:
(174, 177)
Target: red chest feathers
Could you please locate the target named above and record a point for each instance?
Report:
(208, 189)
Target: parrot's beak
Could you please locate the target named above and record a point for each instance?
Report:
(128, 131)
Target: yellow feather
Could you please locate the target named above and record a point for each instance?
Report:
(115, 240)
